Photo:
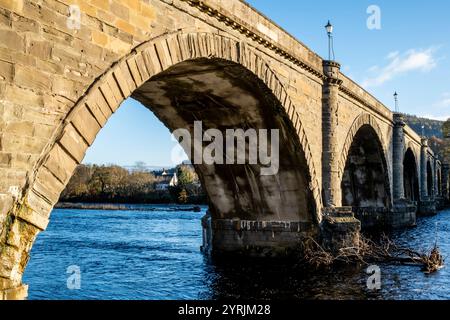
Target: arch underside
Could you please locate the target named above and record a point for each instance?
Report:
(430, 180)
(410, 176)
(439, 182)
(365, 180)
(229, 81)
(181, 77)
(224, 95)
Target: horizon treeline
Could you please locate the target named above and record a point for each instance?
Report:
(92, 183)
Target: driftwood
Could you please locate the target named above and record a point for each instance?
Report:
(369, 251)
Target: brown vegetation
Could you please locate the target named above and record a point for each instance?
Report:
(115, 184)
(369, 251)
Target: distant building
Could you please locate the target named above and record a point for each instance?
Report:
(174, 181)
(165, 179)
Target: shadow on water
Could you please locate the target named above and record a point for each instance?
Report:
(284, 280)
(155, 255)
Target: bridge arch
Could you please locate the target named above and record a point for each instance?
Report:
(439, 181)
(430, 178)
(155, 69)
(410, 176)
(148, 61)
(363, 166)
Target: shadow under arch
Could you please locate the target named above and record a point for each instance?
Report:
(365, 177)
(290, 195)
(189, 56)
(410, 176)
(430, 179)
(439, 181)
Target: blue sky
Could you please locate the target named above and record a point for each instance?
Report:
(410, 54)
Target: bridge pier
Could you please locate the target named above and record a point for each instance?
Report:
(401, 215)
(331, 181)
(340, 229)
(254, 238)
(398, 141)
(446, 163)
(16, 293)
(403, 212)
(427, 203)
(445, 183)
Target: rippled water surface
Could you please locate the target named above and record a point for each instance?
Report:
(155, 254)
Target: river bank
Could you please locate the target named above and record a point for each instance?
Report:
(123, 206)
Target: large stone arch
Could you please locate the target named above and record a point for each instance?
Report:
(411, 175)
(368, 123)
(66, 148)
(361, 120)
(119, 82)
(430, 177)
(439, 181)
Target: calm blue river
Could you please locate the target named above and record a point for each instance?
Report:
(155, 254)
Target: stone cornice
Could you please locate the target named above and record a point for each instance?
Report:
(255, 36)
(356, 97)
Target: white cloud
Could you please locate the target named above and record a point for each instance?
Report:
(444, 102)
(433, 117)
(411, 60)
(392, 55)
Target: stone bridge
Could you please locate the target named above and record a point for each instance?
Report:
(66, 66)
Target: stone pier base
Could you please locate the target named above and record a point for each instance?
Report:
(340, 229)
(427, 207)
(254, 238)
(441, 203)
(18, 293)
(401, 215)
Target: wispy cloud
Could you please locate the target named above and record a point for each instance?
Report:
(433, 117)
(400, 63)
(444, 101)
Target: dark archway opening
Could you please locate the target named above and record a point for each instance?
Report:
(410, 177)
(365, 182)
(225, 95)
(429, 179)
(439, 182)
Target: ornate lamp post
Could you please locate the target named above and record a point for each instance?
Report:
(329, 28)
(396, 101)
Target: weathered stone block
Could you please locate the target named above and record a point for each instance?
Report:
(35, 211)
(32, 78)
(40, 49)
(60, 163)
(47, 185)
(86, 124)
(6, 71)
(340, 229)
(73, 142)
(17, 293)
(109, 96)
(131, 62)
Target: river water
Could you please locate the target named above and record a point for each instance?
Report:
(155, 254)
